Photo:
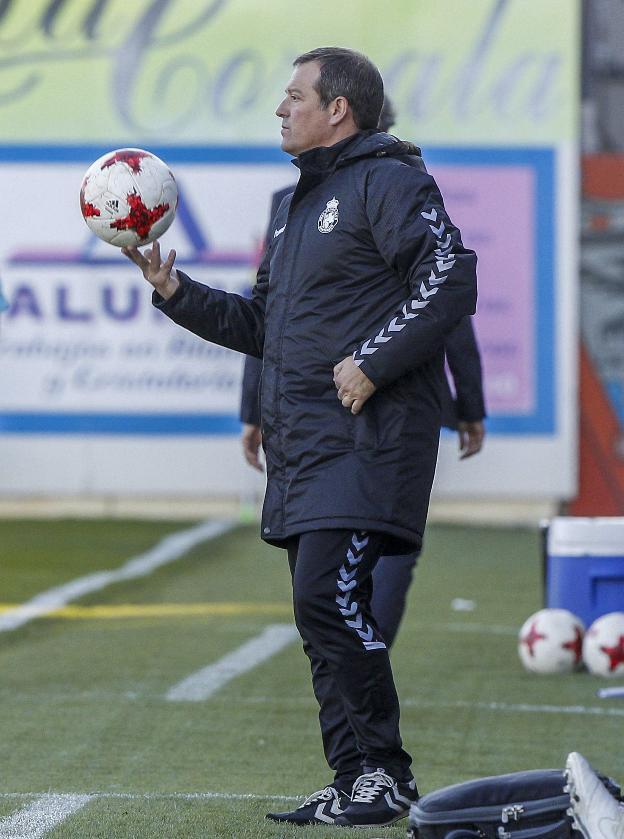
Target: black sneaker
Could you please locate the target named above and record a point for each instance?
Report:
(321, 807)
(378, 800)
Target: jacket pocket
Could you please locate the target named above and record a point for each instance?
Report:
(365, 431)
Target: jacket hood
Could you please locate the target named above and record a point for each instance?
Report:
(365, 144)
(378, 144)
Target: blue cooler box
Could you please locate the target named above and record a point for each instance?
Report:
(585, 566)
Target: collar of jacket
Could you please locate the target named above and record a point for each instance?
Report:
(370, 143)
(318, 164)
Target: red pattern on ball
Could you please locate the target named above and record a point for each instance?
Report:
(140, 218)
(131, 157)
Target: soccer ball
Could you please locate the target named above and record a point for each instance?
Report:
(603, 647)
(128, 197)
(551, 641)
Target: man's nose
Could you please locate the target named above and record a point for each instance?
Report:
(280, 111)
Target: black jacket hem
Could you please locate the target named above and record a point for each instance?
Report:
(399, 539)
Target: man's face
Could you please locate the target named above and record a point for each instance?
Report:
(305, 125)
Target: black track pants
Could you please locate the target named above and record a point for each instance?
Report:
(351, 674)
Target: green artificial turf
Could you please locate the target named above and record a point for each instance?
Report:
(36, 555)
(83, 706)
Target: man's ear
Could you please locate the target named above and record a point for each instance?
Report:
(339, 110)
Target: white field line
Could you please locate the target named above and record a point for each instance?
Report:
(304, 702)
(519, 707)
(202, 684)
(207, 681)
(170, 548)
(147, 796)
(42, 815)
(503, 707)
(477, 628)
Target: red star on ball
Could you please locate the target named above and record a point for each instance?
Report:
(576, 645)
(616, 654)
(132, 157)
(531, 637)
(140, 218)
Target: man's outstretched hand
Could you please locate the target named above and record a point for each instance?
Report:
(353, 386)
(162, 275)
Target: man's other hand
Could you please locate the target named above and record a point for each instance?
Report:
(353, 386)
(252, 440)
(161, 275)
(471, 436)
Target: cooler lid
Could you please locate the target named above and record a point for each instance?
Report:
(578, 536)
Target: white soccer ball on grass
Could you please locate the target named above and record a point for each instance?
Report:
(603, 647)
(551, 641)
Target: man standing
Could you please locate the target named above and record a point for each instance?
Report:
(364, 275)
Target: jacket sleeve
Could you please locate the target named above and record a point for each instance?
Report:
(416, 238)
(464, 361)
(221, 317)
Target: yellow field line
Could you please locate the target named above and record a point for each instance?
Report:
(162, 610)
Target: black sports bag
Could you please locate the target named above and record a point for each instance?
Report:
(521, 805)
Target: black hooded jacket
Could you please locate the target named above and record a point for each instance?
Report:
(364, 261)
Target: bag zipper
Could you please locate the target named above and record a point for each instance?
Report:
(493, 812)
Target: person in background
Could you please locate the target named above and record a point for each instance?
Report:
(363, 278)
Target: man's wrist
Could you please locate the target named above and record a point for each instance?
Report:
(169, 288)
(370, 375)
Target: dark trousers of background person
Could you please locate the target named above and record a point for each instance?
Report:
(351, 675)
(392, 577)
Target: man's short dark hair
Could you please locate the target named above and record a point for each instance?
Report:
(350, 74)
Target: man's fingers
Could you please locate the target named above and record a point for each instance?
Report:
(473, 446)
(154, 256)
(252, 458)
(252, 439)
(471, 437)
(353, 387)
(135, 255)
(168, 263)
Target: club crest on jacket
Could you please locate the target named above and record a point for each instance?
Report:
(329, 217)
